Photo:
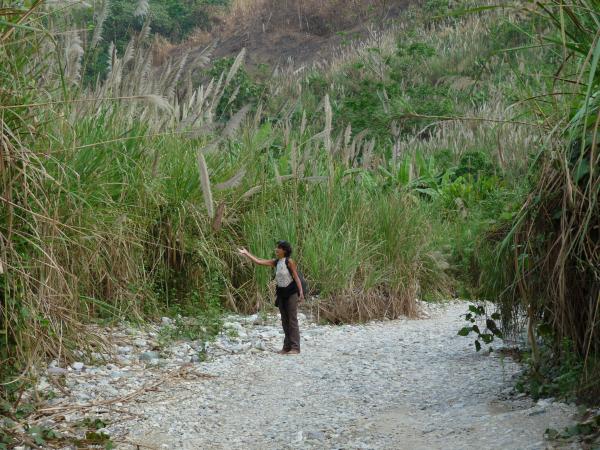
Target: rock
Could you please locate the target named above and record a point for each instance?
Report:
(124, 350)
(315, 435)
(166, 321)
(124, 360)
(43, 384)
(387, 371)
(536, 411)
(237, 348)
(235, 326)
(57, 371)
(78, 366)
(140, 342)
(544, 402)
(149, 356)
(83, 396)
(110, 391)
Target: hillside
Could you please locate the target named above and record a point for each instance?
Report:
(274, 32)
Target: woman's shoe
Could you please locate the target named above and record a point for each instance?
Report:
(283, 351)
(293, 351)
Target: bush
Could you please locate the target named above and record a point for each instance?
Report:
(242, 91)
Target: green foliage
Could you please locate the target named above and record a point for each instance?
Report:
(586, 431)
(242, 91)
(476, 164)
(415, 50)
(202, 320)
(475, 317)
(13, 433)
(371, 102)
(559, 374)
(172, 19)
(436, 7)
(347, 238)
(128, 227)
(543, 263)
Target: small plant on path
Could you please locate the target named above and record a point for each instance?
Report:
(477, 315)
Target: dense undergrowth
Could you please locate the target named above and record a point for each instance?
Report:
(441, 158)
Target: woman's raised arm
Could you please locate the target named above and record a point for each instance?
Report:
(254, 259)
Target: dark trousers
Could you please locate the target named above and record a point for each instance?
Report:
(289, 319)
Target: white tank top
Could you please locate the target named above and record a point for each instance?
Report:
(283, 277)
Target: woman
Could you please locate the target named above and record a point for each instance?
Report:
(289, 293)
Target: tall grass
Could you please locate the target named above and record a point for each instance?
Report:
(365, 253)
(128, 198)
(549, 253)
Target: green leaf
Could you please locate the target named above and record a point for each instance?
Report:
(583, 169)
(477, 346)
(487, 338)
(497, 333)
(544, 329)
(551, 433)
(496, 316)
(464, 331)
(17, 25)
(25, 312)
(37, 434)
(490, 324)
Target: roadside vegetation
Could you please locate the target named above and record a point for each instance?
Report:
(453, 155)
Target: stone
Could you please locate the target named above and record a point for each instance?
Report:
(149, 356)
(315, 435)
(352, 387)
(78, 366)
(57, 371)
(43, 384)
(140, 342)
(124, 350)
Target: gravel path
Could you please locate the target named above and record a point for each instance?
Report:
(403, 384)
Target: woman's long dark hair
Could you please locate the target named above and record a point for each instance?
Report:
(286, 247)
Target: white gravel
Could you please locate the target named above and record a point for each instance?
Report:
(402, 384)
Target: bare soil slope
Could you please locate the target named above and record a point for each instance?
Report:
(275, 31)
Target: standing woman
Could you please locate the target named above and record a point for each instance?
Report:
(289, 293)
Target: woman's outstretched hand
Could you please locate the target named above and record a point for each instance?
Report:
(243, 252)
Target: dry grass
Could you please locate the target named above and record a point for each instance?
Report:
(352, 306)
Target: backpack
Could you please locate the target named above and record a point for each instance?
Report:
(300, 276)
